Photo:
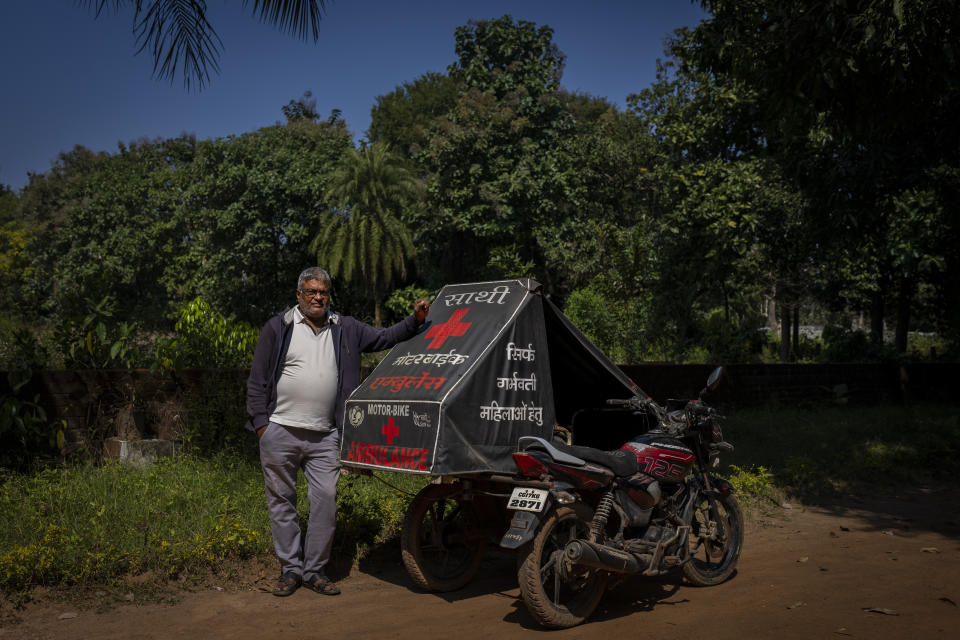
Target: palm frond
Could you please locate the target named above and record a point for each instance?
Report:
(177, 32)
(291, 16)
(180, 37)
(372, 186)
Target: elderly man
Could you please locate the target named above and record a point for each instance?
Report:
(306, 363)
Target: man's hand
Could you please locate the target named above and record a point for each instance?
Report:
(420, 309)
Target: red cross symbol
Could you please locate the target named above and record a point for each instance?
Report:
(452, 327)
(390, 430)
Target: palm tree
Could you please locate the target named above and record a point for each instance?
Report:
(364, 239)
(178, 34)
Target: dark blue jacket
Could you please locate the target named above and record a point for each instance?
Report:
(350, 338)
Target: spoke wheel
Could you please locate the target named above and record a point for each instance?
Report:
(558, 594)
(716, 537)
(440, 541)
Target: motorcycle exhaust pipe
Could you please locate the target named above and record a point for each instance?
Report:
(598, 556)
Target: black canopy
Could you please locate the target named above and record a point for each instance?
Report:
(494, 361)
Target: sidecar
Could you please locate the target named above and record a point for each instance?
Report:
(494, 361)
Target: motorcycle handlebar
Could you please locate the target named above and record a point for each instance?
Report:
(699, 409)
(638, 404)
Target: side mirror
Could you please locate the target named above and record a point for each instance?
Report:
(713, 380)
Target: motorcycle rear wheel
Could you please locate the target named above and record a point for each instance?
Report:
(716, 548)
(440, 542)
(556, 594)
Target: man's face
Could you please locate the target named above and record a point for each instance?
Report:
(314, 299)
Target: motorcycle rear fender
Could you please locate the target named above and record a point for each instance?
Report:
(523, 527)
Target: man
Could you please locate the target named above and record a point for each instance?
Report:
(306, 363)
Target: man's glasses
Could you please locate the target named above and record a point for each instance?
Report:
(312, 293)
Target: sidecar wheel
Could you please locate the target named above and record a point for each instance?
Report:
(559, 595)
(440, 541)
(716, 548)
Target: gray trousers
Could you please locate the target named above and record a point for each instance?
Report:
(284, 450)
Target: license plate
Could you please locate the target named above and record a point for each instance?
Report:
(527, 499)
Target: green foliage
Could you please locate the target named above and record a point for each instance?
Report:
(181, 38)
(16, 238)
(875, 179)
(930, 347)
(506, 261)
(183, 516)
(110, 230)
(727, 341)
(401, 118)
(803, 475)
(250, 206)
(614, 325)
(371, 512)
(364, 241)
(754, 485)
(851, 345)
(303, 109)
(400, 302)
(502, 56)
(829, 449)
(21, 350)
(26, 433)
(496, 162)
(216, 413)
(98, 341)
(206, 339)
(749, 171)
(93, 524)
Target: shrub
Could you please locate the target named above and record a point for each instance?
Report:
(852, 345)
(206, 339)
(725, 340)
(753, 484)
(613, 326)
(97, 340)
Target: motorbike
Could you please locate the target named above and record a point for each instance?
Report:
(584, 519)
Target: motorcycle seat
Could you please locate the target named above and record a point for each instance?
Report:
(623, 463)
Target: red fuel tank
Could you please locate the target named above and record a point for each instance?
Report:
(664, 458)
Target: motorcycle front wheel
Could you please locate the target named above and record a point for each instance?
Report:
(558, 594)
(440, 541)
(716, 537)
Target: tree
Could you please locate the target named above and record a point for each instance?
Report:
(496, 164)
(178, 33)
(858, 102)
(304, 108)
(106, 228)
(403, 118)
(721, 217)
(9, 203)
(365, 239)
(250, 205)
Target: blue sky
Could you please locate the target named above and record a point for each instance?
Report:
(68, 79)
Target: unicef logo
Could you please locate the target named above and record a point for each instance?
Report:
(356, 415)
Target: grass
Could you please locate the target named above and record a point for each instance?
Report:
(181, 516)
(187, 516)
(827, 449)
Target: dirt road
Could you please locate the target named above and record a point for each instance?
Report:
(879, 568)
